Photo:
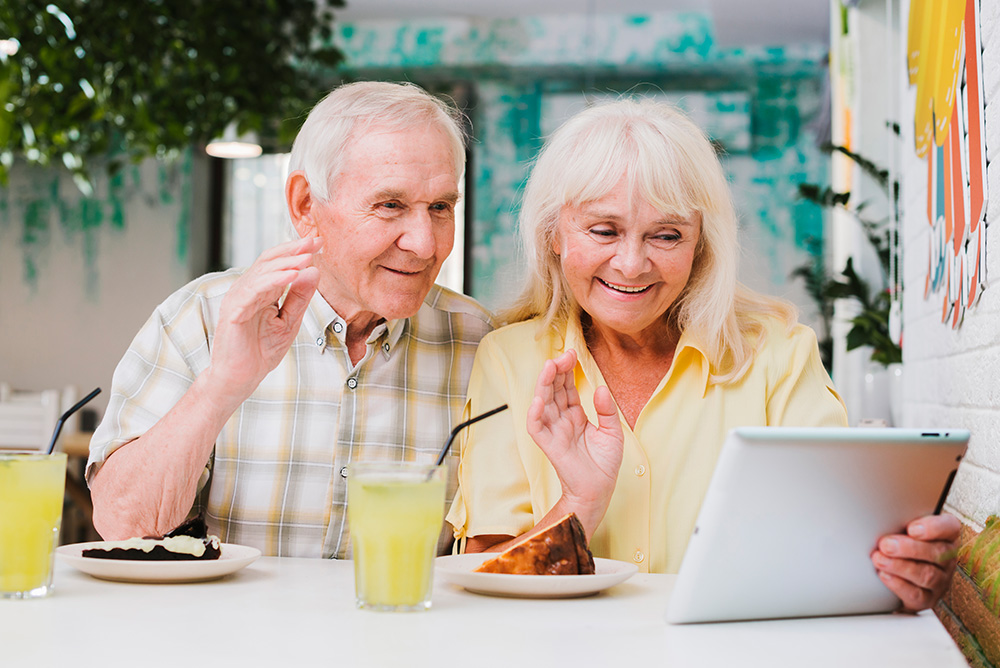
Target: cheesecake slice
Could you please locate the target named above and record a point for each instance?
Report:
(559, 550)
(188, 542)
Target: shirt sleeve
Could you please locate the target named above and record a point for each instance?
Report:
(494, 495)
(161, 363)
(801, 393)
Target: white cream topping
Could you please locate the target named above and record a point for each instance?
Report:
(178, 544)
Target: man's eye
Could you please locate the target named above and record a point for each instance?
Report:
(390, 205)
(441, 206)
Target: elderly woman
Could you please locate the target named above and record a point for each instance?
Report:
(634, 350)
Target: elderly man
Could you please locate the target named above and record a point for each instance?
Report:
(248, 392)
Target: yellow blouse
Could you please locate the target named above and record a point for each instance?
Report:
(506, 483)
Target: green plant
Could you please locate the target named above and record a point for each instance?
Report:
(813, 273)
(870, 327)
(127, 79)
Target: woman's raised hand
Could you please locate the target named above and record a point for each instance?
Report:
(586, 457)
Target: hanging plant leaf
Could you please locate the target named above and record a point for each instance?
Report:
(153, 77)
(823, 196)
(871, 326)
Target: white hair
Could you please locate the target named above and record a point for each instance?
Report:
(320, 145)
(669, 162)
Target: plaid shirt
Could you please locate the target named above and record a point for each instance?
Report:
(277, 478)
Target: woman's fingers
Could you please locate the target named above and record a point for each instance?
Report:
(563, 384)
(555, 412)
(555, 383)
(914, 598)
(544, 386)
(937, 552)
(538, 426)
(935, 527)
(607, 411)
(918, 566)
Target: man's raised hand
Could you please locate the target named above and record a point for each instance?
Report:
(256, 328)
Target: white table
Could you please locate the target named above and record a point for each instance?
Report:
(292, 612)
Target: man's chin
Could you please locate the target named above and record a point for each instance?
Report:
(403, 305)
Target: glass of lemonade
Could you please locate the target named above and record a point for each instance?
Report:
(31, 503)
(395, 510)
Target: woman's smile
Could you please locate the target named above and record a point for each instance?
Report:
(625, 289)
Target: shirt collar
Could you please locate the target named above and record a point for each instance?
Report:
(690, 351)
(324, 325)
(318, 318)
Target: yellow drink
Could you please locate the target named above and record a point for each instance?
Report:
(395, 512)
(31, 502)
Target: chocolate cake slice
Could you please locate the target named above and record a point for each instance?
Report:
(190, 541)
(559, 550)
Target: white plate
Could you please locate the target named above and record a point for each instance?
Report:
(458, 570)
(233, 558)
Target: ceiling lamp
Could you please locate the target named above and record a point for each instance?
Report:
(234, 145)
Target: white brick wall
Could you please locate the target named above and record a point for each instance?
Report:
(952, 377)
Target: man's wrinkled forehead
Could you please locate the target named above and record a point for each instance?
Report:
(399, 137)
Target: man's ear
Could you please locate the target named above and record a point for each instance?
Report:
(298, 197)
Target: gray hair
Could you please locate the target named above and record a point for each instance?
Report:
(320, 144)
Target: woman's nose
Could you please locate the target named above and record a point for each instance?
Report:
(630, 259)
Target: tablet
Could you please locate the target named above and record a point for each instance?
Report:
(792, 515)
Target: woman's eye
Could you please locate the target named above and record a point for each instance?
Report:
(602, 232)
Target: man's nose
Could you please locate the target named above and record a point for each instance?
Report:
(418, 236)
(630, 258)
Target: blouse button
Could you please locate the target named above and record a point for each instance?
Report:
(343, 471)
(640, 470)
(352, 383)
(638, 556)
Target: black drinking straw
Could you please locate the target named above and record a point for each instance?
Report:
(454, 432)
(59, 423)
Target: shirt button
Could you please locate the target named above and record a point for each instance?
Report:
(320, 341)
(638, 556)
(338, 327)
(343, 471)
(385, 347)
(352, 383)
(640, 470)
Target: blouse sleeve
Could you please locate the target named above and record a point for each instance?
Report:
(801, 392)
(494, 495)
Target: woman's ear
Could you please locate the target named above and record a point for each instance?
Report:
(298, 197)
